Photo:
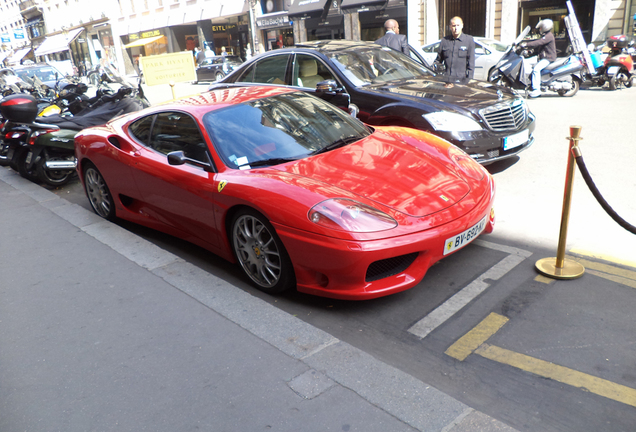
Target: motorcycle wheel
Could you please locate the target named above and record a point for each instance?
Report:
(629, 82)
(54, 178)
(612, 83)
(29, 174)
(94, 78)
(571, 92)
(98, 193)
(3, 156)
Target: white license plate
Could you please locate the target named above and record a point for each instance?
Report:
(461, 240)
(612, 70)
(29, 156)
(516, 140)
(10, 154)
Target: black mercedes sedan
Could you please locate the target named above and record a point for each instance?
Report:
(385, 87)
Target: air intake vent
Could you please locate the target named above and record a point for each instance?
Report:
(389, 267)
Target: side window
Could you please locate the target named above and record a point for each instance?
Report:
(309, 71)
(479, 50)
(432, 49)
(173, 131)
(268, 71)
(141, 129)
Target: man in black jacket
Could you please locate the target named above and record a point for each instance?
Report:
(457, 51)
(392, 38)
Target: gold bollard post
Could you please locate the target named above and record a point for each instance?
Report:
(559, 267)
(172, 88)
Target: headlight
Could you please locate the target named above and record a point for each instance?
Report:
(446, 121)
(348, 215)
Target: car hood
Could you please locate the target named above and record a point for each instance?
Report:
(440, 94)
(387, 171)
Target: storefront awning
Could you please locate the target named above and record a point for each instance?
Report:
(58, 42)
(3, 55)
(306, 7)
(18, 55)
(362, 4)
(144, 41)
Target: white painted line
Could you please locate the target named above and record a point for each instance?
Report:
(454, 304)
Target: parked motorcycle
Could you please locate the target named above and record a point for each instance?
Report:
(44, 151)
(618, 67)
(513, 70)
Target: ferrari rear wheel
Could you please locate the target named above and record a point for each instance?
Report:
(260, 252)
(98, 193)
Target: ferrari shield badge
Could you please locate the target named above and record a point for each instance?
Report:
(222, 184)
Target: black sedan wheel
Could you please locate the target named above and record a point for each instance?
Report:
(219, 76)
(261, 253)
(98, 193)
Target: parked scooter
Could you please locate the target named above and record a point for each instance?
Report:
(51, 151)
(46, 151)
(513, 70)
(618, 67)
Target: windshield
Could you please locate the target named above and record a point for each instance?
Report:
(375, 65)
(278, 129)
(46, 73)
(494, 45)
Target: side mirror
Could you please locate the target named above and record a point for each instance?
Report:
(327, 86)
(179, 158)
(176, 158)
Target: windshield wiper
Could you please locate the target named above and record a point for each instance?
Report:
(269, 162)
(337, 143)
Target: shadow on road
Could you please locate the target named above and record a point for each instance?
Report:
(502, 165)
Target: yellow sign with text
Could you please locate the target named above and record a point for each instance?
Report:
(164, 68)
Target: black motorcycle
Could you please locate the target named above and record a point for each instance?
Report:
(562, 76)
(43, 147)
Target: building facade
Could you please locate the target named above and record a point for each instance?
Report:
(86, 33)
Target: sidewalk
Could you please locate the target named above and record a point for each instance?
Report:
(102, 330)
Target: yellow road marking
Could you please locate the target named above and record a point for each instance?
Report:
(544, 279)
(613, 278)
(468, 343)
(561, 374)
(628, 274)
(605, 258)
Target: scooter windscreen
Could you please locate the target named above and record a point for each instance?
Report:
(522, 36)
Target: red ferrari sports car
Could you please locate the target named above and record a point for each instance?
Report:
(295, 190)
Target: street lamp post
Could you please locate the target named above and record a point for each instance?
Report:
(255, 49)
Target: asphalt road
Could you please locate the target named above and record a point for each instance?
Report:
(583, 325)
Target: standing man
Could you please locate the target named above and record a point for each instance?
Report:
(393, 38)
(457, 51)
(547, 53)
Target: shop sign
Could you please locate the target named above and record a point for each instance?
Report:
(216, 28)
(5, 37)
(151, 33)
(166, 68)
(18, 33)
(274, 21)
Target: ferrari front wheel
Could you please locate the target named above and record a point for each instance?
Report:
(260, 252)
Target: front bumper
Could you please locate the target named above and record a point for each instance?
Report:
(486, 146)
(361, 270)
